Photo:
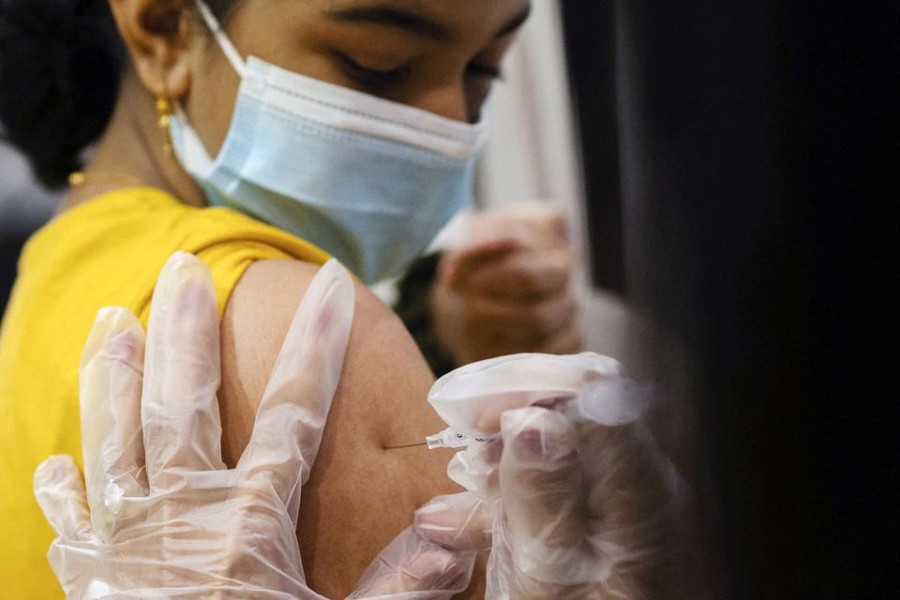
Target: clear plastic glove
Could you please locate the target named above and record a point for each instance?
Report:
(161, 516)
(579, 501)
(413, 568)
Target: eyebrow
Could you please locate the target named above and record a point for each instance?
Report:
(413, 22)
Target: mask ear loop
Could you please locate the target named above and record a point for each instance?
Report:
(222, 39)
(185, 143)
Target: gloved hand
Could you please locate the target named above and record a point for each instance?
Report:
(578, 506)
(507, 290)
(162, 516)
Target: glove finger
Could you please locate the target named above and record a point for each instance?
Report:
(458, 522)
(476, 468)
(298, 397)
(110, 380)
(474, 397)
(542, 495)
(632, 502)
(180, 413)
(415, 569)
(59, 491)
(624, 475)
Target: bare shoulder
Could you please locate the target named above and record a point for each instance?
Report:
(383, 368)
(360, 494)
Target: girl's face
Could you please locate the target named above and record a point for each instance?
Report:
(442, 56)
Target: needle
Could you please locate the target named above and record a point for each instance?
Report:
(406, 446)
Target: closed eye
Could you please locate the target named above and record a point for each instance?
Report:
(485, 72)
(368, 77)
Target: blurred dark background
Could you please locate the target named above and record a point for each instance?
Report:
(759, 186)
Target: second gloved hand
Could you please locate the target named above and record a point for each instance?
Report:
(580, 502)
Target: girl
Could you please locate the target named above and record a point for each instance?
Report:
(262, 136)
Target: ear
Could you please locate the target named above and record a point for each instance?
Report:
(160, 36)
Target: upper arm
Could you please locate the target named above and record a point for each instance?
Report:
(360, 495)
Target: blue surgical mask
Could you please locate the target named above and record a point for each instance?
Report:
(367, 180)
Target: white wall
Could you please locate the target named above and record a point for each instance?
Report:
(533, 155)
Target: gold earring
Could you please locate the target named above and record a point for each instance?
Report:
(164, 109)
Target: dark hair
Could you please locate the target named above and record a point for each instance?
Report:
(61, 65)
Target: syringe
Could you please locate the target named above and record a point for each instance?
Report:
(585, 387)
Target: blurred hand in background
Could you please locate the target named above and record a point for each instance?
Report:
(507, 289)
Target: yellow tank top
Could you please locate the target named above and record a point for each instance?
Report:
(106, 252)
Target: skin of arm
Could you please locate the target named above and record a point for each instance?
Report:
(360, 495)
